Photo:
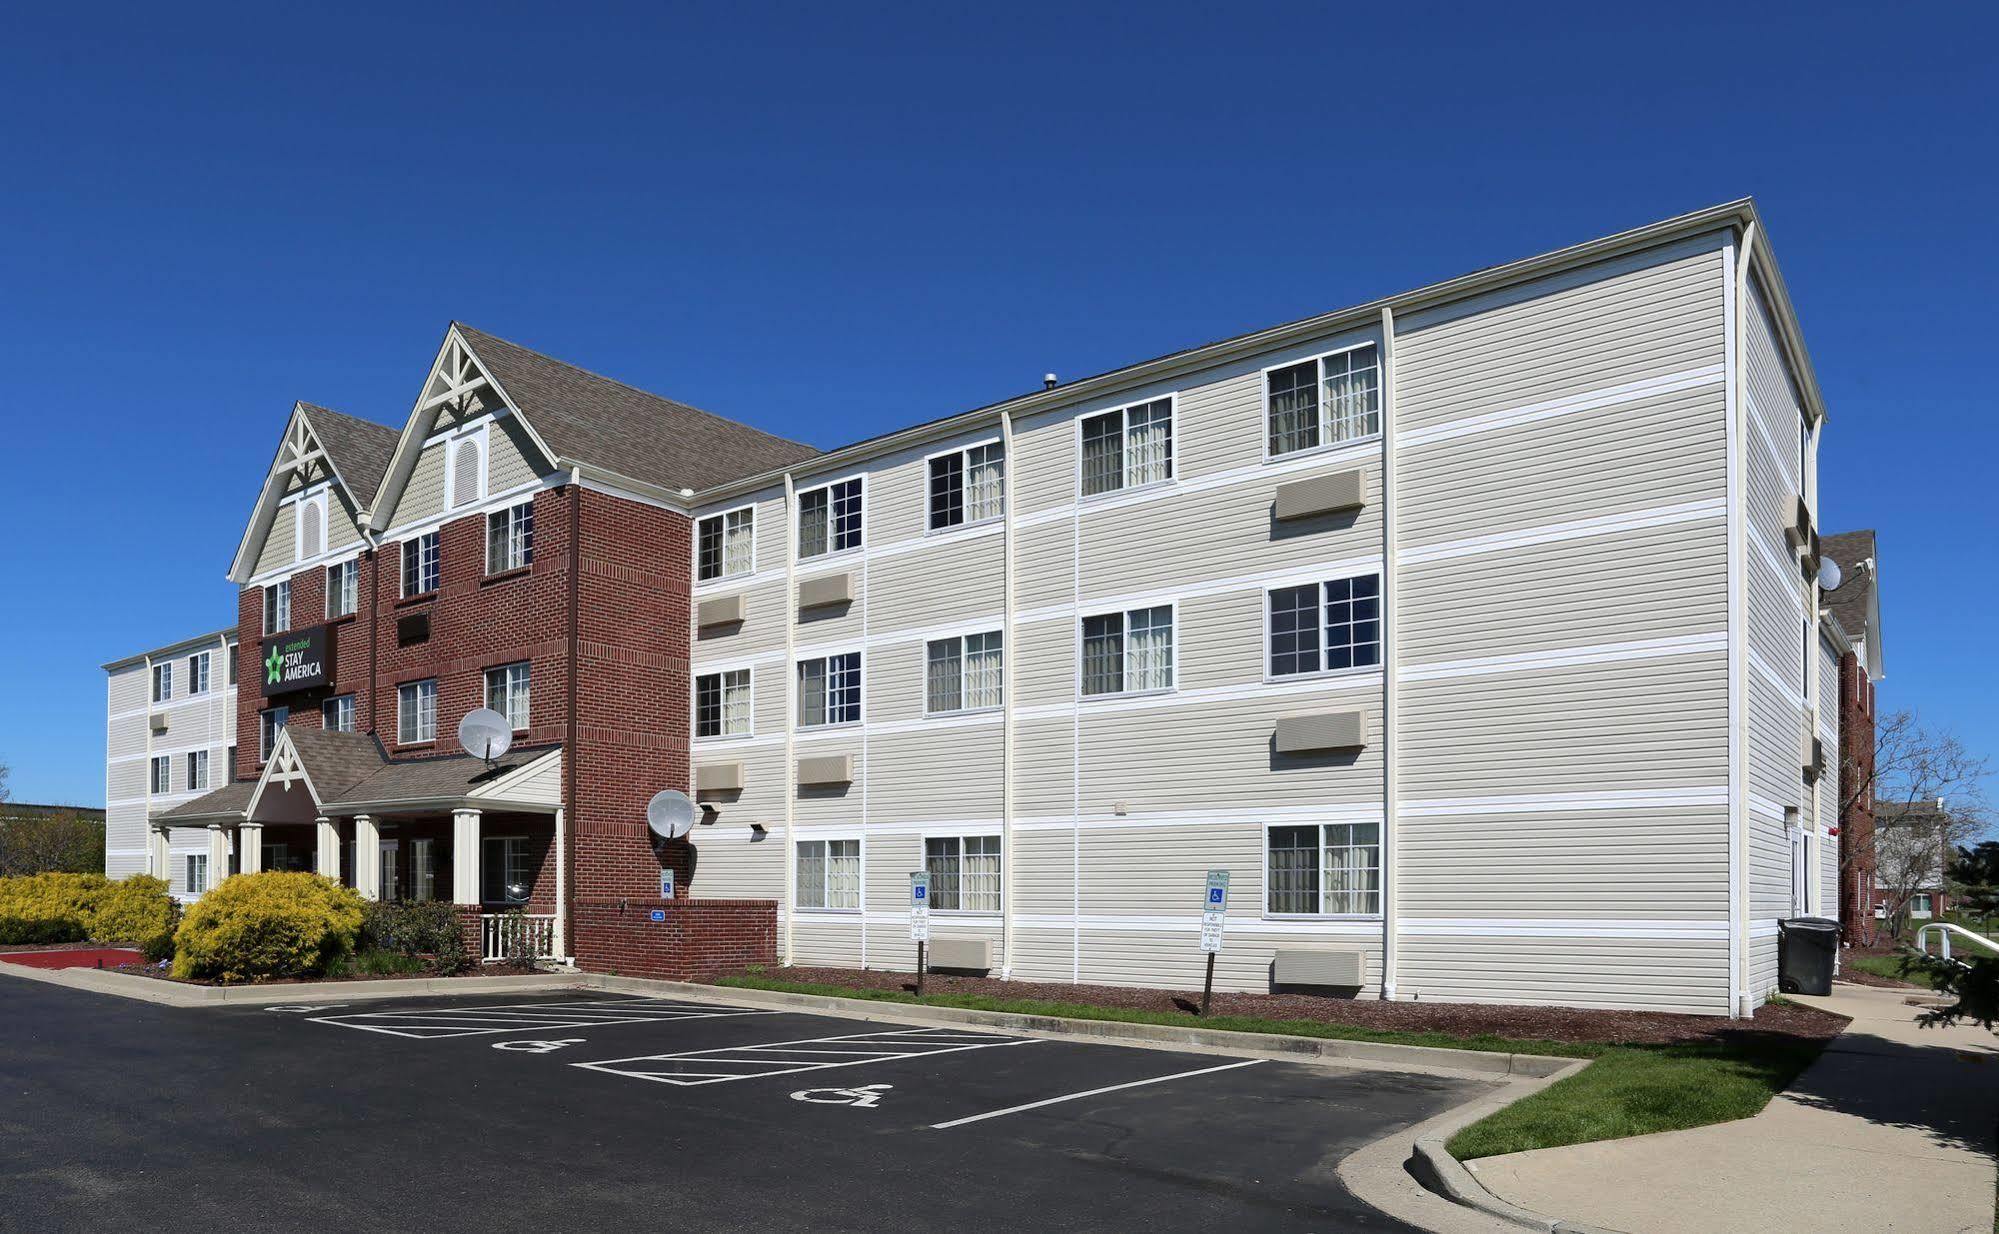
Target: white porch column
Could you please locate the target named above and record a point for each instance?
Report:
(326, 860)
(159, 859)
(218, 854)
(367, 857)
(465, 856)
(250, 847)
(561, 889)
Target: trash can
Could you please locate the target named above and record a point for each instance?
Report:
(1806, 948)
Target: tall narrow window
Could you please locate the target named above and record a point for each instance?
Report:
(724, 544)
(829, 873)
(311, 528)
(964, 873)
(343, 588)
(962, 673)
(163, 682)
(507, 692)
(1125, 653)
(162, 780)
(338, 714)
(722, 704)
(1323, 626)
(278, 606)
(198, 666)
(506, 870)
(468, 470)
(197, 769)
(423, 869)
(829, 519)
(416, 712)
(510, 538)
(420, 565)
(1128, 447)
(967, 486)
(829, 690)
(269, 725)
(196, 868)
(1329, 870)
(1325, 401)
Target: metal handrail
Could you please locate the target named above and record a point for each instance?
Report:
(1944, 930)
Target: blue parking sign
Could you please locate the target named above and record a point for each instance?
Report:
(659, 914)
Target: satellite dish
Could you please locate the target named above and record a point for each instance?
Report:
(485, 734)
(671, 814)
(1830, 576)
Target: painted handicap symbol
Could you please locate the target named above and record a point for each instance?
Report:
(865, 1097)
(537, 1047)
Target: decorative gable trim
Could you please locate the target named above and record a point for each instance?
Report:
(299, 454)
(283, 768)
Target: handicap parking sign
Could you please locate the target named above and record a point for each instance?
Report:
(1216, 896)
(659, 914)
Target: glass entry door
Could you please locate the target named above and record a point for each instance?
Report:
(391, 876)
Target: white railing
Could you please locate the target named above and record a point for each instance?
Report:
(509, 936)
(1944, 931)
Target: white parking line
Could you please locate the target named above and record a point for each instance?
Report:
(439, 1022)
(719, 1066)
(1035, 1105)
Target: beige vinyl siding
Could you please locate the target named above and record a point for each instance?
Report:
(510, 461)
(280, 547)
(827, 939)
(950, 773)
(1643, 973)
(761, 632)
(343, 529)
(423, 497)
(730, 865)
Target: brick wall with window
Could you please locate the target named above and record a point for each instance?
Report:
(1856, 816)
(350, 640)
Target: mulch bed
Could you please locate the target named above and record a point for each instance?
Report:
(158, 973)
(71, 957)
(1565, 1024)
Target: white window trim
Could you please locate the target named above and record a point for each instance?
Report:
(1263, 898)
(798, 510)
(486, 687)
(479, 435)
(923, 858)
(195, 677)
(800, 662)
(355, 708)
(962, 450)
(421, 741)
(283, 585)
(487, 527)
(1085, 613)
(160, 775)
(960, 636)
(820, 835)
(187, 873)
(326, 581)
(435, 533)
(197, 758)
(1318, 357)
(694, 703)
(1150, 486)
(1320, 674)
(751, 506)
(161, 688)
(314, 496)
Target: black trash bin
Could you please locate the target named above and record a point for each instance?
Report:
(1806, 947)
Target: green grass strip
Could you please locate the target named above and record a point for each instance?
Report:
(1234, 1024)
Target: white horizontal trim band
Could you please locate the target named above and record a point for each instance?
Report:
(1591, 400)
(1632, 799)
(1565, 657)
(1552, 533)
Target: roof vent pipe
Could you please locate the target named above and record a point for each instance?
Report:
(1048, 381)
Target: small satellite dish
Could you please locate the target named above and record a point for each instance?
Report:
(1830, 576)
(671, 814)
(485, 734)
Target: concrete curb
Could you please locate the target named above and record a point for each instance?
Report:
(1256, 1045)
(173, 994)
(1444, 1174)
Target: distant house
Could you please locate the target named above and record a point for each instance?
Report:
(1911, 842)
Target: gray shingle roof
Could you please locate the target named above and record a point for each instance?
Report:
(360, 449)
(429, 779)
(606, 423)
(337, 761)
(1849, 604)
(231, 799)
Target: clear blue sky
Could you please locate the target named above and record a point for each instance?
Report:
(831, 224)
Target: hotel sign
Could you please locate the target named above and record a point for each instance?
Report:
(297, 660)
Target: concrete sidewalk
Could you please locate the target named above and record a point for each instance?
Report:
(1893, 1128)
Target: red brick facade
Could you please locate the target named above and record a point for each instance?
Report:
(1856, 816)
(697, 940)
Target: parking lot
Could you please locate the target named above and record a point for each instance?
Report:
(585, 1110)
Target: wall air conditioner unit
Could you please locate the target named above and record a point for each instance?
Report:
(720, 611)
(718, 778)
(970, 954)
(826, 590)
(1335, 967)
(1328, 730)
(1815, 766)
(158, 721)
(1331, 493)
(826, 769)
(1798, 531)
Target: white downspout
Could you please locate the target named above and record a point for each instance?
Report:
(1740, 997)
(790, 710)
(1391, 699)
(1009, 649)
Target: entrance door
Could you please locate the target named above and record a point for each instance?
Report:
(391, 876)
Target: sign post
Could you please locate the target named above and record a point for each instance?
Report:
(919, 921)
(1214, 911)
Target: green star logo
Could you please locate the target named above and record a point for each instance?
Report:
(272, 663)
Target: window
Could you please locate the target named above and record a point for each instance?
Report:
(829, 519)
(967, 486)
(1325, 401)
(829, 874)
(507, 692)
(465, 483)
(1124, 653)
(423, 869)
(962, 674)
(343, 588)
(338, 713)
(197, 769)
(1322, 626)
(278, 607)
(1328, 870)
(964, 873)
(310, 529)
(1128, 447)
(722, 704)
(420, 565)
(269, 725)
(197, 873)
(163, 682)
(163, 774)
(1920, 904)
(197, 672)
(510, 538)
(416, 712)
(506, 873)
(230, 659)
(829, 690)
(724, 544)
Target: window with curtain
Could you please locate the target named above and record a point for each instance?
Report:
(967, 486)
(507, 692)
(510, 538)
(1129, 652)
(197, 769)
(197, 873)
(338, 714)
(162, 774)
(1326, 870)
(197, 672)
(829, 518)
(829, 873)
(962, 673)
(829, 690)
(1129, 447)
(269, 725)
(723, 544)
(163, 682)
(1325, 401)
(964, 873)
(1318, 627)
(343, 584)
(416, 712)
(278, 607)
(722, 704)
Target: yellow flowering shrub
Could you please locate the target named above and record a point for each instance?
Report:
(273, 924)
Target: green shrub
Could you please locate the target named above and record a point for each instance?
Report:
(425, 930)
(135, 910)
(67, 908)
(20, 930)
(272, 924)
